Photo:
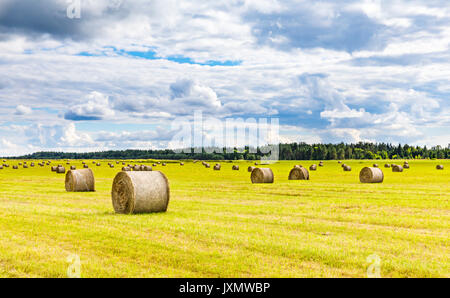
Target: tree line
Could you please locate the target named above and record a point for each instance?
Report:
(293, 151)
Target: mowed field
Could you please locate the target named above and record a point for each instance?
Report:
(218, 224)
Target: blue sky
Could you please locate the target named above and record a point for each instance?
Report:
(119, 76)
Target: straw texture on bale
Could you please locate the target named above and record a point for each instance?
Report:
(250, 169)
(371, 175)
(299, 173)
(439, 167)
(235, 168)
(347, 168)
(80, 180)
(313, 168)
(140, 192)
(60, 170)
(262, 175)
(298, 166)
(397, 168)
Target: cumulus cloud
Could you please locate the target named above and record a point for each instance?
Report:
(96, 107)
(23, 110)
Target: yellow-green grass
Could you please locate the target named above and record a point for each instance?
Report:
(220, 225)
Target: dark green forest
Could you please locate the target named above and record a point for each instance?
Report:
(294, 151)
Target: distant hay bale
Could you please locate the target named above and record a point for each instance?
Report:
(375, 165)
(83, 162)
(387, 165)
(235, 168)
(181, 163)
(262, 175)
(98, 164)
(15, 167)
(136, 168)
(85, 166)
(25, 166)
(217, 167)
(313, 168)
(397, 168)
(126, 169)
(1, 167)
(80, 180)
(73, 168)
(207, 166)
(146, 168)
(250, 169)
(53, 168)
(140, 192)
(321, 164)
(347, 168)
(117, 162)
(256, 163)
(111, 166)
(406, 166)
(371, 175)
(339, 161)
(163, 164)
(60, 170)
(299, 173)
(32, 164)
(154, 165)
(439, 167)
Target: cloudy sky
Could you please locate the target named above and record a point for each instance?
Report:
(119, 75)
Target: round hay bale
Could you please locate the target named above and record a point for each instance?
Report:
(98, 164)
(163, 164)
(321, 164)
(347, 168)
(207, 166)
(298, 173)
(111, 166)
(181, 163)
(375, 165)
(117, 162)
(154, 165)
(339, 161)
(136, 168)
(371, 175)
(387, 165)
(262, 175)
(439, 167)
(85, 166)
(126, 169)
(73, 168)
(217, 167)
(15, 167)
(83, 162)
(140, 192)
(32, 164)
(235, 168)
(25, 166)
(54, 168)
(406, 166)
(250, 169)
(146, 168)
(256, 163)
(397, 168)
(313, 168)
(80, 180)
(60, 170)
(1, 167)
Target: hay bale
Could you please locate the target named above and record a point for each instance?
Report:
(154, 165)
(397, 168)
(217, 167)
(181, 163)
(375, 165)
(262, 175)
(15, 167)
(25, 166)
(347, 168)
(126, 169)
(136, 168)
(371, 175)
(98, 164)
(73, 168)
(299, 173)
(32, 164)
(339, 161)
(298, 166)
(111, 166)
(53, 168)
(146, 168)
(439, 167)
(85, 166)
(207, 166)
(406, 166)
(321, 164)
(387, 165)
(250, 169)
(235, 168)
(313, 168)
(256, 163)
(80, 180)
(142, 192)
(163, 164)
(1, 167)
(60, 170)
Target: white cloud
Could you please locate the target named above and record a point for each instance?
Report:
(23, 110)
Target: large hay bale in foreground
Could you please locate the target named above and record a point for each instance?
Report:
(140, 192)
(439, 167)
(262, 175)
(347, 168)
(80, 180)
(299, 173)
(313, 168)
(371, 175)
(397, 168)
(250, 169)
(60, 170)
(235, 168)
